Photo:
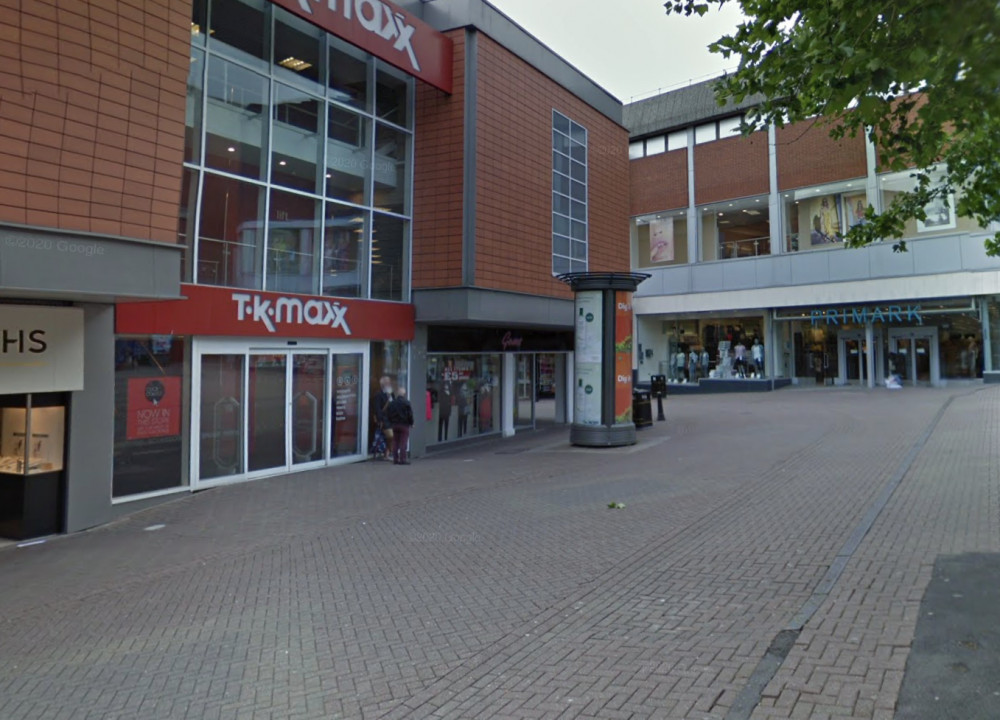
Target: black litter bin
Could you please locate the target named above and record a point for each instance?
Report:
(642, 408)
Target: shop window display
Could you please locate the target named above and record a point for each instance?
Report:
(660, 239)
(736, 229)
(940, 213)
(817, 218)
(723, 348)
(462, 397)
(149, 409)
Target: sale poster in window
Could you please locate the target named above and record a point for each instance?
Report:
(154, 407)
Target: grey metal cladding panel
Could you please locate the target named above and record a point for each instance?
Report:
(974, 255)
(470, 305)
(846, 264)
(739, 275)
(810, 267)
(887, 263)
(773, 271)
(707, 278)
(936, 256)
(676, 280)
(679, 108)
(87, 265)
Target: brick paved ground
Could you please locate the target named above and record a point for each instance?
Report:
(494, 582)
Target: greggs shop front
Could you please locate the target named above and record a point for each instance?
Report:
(267, 383)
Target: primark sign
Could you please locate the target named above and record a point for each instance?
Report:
(877, 314)
(386, 31)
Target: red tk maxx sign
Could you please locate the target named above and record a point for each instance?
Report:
(386, 31)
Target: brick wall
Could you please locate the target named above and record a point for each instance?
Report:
(438, 178)
(514, 164)
(731, 168)
(658, 182)
(808, 156)
(92, 97)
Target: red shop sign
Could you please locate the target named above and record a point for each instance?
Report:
(209, 310)
(386, 31)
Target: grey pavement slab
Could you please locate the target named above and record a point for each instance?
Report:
(953, 670)
(493, 581)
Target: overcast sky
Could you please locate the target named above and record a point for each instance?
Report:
(629, 47)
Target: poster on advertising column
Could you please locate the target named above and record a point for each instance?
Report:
(623, 357)
(589, 357)
(154, 408)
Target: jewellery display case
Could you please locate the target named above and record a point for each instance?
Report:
(31, 465)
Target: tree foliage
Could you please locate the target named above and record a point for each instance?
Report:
(920, 77)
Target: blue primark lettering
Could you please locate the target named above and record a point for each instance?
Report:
(913, 314)
(860, 318)
(877, 315)
(831, 317)
(895, 313)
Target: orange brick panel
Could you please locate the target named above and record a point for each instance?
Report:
(807, 155)
(514, 177)
(658, 182)
(731, 168)
(85, 86)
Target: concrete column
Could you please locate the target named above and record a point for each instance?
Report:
(774, 207)
(871, 179)
(870, 355)
(694, 234)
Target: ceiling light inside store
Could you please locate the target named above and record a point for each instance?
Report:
(231, 149)
(752, 212)
(293, 63)
(282, 163)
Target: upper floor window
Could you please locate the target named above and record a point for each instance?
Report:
(816, 218)
(735, 229)
(569, 195)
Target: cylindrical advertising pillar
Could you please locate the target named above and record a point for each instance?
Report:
(602, 408)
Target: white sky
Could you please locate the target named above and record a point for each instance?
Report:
(628, 47)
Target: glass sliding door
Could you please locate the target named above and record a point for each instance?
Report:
(345, 426)
(308, 407)
(524, 399)
(221, 426)
(267, 439)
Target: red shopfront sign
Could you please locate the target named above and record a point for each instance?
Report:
(231, 312)
(385, 31)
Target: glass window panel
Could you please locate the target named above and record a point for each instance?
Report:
(149, 407)
(236, 119)
(462, 397)
(389, 237)
(579, 230)
(579, 211)
(578, 266)
(560, 122)
(579, 191)
(560, 264)
(390, 170)
(349, 75)
(199, 21)
(579, 152)
(656, 145)
(578, 171)
(736, 229)
(560, 183)
(392, 95)
(221, 432)
(560, 204)
(660, 239)
(560, 224)
(239, 28)
(185, 220)
(345, 428)
(560, 245)
(268, 429)
(229, 236)
(579, 134)
(293, 238)
(193, 112)
(729, 126)
(677, 140)
(579, 250)
(295, 138)
(560, 142)
(308, 407)
(348, 156)
(704, 133)
(344, 271)
(297, 49)
(635, 150)
(560, 163)
(389, 358)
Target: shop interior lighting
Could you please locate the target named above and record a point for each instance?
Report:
(293, 63)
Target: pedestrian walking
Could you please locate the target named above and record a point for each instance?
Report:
(400, 415)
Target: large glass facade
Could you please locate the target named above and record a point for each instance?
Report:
(150, 399)
(941, 218)
(660, 239)
(816, 218)
(293, 138)
(462, 397)
(735, 229)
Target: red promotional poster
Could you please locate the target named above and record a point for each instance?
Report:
(154, 407)
(623, 357)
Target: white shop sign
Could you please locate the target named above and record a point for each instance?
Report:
(41, 349)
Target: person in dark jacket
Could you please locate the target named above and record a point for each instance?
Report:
(400, 416)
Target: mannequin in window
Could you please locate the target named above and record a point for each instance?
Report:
(679, 364)
(704, 362)
(693, 365)
(740, 354)
(757, 355)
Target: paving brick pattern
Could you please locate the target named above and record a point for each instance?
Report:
(493, 581)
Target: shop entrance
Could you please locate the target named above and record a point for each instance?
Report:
(267, 410)
(914, 355)
(538, 397)
(852, 357)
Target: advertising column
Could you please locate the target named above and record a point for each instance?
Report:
(602, 412)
